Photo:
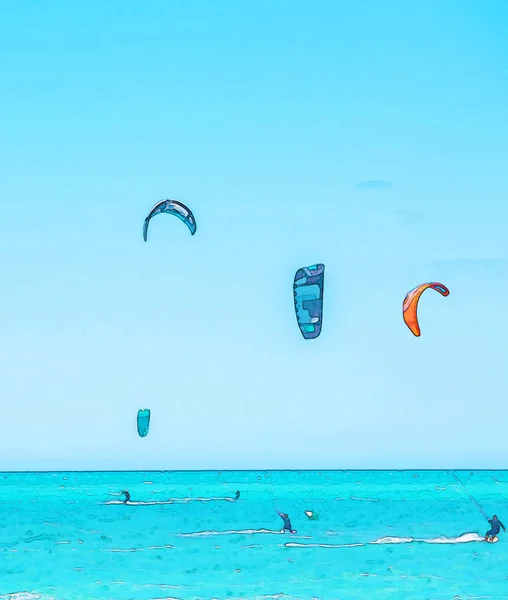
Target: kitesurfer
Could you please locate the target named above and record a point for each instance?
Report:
(127, 496)
(495, 527)
(237, 495)
(287, 523)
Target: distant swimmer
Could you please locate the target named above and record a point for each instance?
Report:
(287, 523)
(496, 526)
(237, 495)
(127, 496)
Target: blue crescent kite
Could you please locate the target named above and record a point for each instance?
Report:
(308, 292)
(171, 207)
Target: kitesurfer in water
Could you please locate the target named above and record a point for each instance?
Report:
(237, 495)
(287, 523)
(495, 527)
(127, 496)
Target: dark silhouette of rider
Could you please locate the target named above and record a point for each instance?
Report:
(496, 526)
(287, 523)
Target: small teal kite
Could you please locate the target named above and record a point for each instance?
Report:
(171, 207)
(143, 422)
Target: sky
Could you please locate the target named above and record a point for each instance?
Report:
(369, 136)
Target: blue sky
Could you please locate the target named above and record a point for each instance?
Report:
(263, 117)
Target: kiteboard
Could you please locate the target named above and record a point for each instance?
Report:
(493, 540)
(286, 531)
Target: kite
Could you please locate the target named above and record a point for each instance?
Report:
(311, 515)
(143, 422)
(410, 305)
(308, 294)
(171, 207)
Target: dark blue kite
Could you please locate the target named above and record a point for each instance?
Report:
(308, 292)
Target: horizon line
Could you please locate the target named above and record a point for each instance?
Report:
(255, 470)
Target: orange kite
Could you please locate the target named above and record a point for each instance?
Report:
(410, 305)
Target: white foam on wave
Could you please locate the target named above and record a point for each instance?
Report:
(279, 596)
(465, 538)
(23, 596)
(129, 503)
(239, 532)
(217, 499)
(357, 499)
(363, 499)
(165, 547)
(170, 501)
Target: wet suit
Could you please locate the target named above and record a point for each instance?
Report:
(237, 495)
(496, 526)
(287, 523)
(127, 497)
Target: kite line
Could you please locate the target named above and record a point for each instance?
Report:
(470, 497)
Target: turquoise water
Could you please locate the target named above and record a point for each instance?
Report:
(383, 535)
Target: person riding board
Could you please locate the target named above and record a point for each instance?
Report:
(495, 527)
(127, 496)
(287, 523)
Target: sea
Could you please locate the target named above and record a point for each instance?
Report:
(394, 535)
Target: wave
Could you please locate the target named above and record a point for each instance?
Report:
(170, 501)
(364, 499)
(165, 547)
(139, 503)
(465, 538)
(218, 499)
(239, 532)
(22, 596)
(357, 499)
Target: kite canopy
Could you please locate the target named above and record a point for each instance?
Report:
(143, 422)
(312, 515)
(308, 288)
(410, 304)
(171, 207)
